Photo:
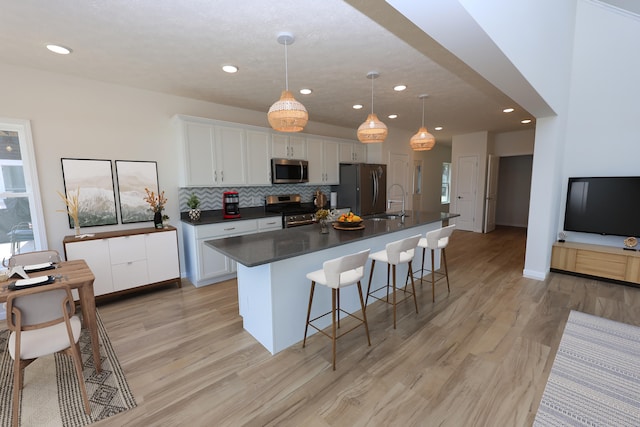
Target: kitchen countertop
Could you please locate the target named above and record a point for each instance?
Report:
(215, 216)
(262, 248)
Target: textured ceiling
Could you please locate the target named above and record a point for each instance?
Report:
(178, 48)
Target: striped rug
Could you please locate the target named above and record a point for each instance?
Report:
(595, 377)
(51, 395)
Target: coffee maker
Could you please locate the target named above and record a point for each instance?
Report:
(230, 205)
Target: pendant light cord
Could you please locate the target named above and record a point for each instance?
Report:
(372, 79)
(286, 67)
(422, 112)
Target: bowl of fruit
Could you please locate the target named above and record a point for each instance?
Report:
(349, 220)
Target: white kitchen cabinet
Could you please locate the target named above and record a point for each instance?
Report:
(213, 154)
(204, 264)
(124, 260)
(323, 161)
(258, 157)
(353, 152)
(289, 147)
(230, 156)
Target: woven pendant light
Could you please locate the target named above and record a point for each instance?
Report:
(287, 114)
(423, 140)
(372, 130)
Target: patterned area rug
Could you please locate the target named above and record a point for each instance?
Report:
(595, 377)
(51, 396)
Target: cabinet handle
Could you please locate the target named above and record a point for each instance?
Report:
(271, 223)
(215, 176)
(222, 176)
(229, 229)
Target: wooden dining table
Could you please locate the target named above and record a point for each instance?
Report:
(77, 275)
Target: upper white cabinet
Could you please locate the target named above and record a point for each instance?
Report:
(323, 161)
(258, 155)
(230, 153)
(213, 155)
(288, 146)
(353, 152)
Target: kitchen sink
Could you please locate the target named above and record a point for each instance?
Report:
(385, 216)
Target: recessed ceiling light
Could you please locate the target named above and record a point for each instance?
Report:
(357, 106)
(393, 116)
(438, 128)
(525, 121)
(508, 110)
(399, 88)
(306, 91)
(230, 69)
(59, 49)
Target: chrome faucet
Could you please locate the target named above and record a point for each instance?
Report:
(389, 201)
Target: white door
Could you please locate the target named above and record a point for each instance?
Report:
(466, 184)
(491, 196)
(398, 174)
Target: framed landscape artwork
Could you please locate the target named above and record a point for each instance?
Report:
(92, 181)
(133, 178)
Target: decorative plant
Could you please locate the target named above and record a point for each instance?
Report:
(322, 214)
(193, 202)
(73, 205)
(156, 202)
(165, 218)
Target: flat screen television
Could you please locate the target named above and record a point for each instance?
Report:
(604, 205)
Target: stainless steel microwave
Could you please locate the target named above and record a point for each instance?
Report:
(289, 171)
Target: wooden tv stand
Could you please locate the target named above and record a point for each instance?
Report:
(605, 262)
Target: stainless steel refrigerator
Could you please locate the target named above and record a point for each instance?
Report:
(363, 188)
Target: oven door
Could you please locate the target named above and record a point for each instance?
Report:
(289, 171)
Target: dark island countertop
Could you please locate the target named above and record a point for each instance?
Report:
(262, 248)
(215, 216)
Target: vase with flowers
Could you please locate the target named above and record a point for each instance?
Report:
(156, 204)
(71, 200)
(322, 215)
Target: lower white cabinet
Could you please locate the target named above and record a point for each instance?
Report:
(128, 259)
(205, 265)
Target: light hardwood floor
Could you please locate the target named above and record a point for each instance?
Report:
(478, 356)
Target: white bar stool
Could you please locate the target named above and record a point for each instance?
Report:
(335, 274)
(394, 254)
(434, 240)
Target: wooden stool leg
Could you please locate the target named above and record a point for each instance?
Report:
(394, 295)
(422, 267)
(366, 299)
(16, 391)
(413, 286)
(364, 315)
(306, 326)
(446, 272)
(333, 325)
(433, 276)
(338, 313)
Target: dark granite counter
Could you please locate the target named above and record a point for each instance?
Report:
(215, 216)
(263, 248)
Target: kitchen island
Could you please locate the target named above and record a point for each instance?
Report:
(273, 291)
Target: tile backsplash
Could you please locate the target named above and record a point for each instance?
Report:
(211, 197)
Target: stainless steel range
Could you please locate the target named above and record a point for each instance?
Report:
(294, 212)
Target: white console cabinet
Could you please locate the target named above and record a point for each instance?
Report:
(128, 259)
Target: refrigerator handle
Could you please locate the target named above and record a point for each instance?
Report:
(375, 188)
(301, 172)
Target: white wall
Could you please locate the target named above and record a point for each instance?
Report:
(518, 143)
(602, 132)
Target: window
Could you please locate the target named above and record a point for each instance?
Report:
(445, 197)
(21, 220)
